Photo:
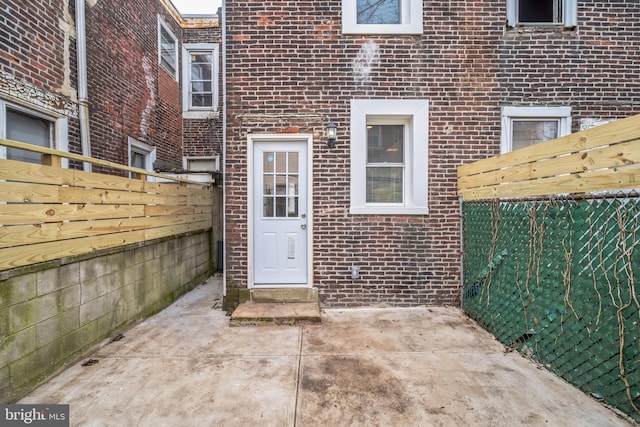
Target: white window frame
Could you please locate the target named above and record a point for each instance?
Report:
(569, 14)
(414, 114)
(190, 112)
(148, 150)
(163, 26)
(188, 163)
(61, 127)
(510, 114)
(411, 11)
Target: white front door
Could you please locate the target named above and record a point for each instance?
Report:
(280, 217)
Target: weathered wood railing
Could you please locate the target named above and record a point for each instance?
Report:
(603, 158)
(49, 212)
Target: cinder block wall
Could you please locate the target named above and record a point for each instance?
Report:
(53, 314)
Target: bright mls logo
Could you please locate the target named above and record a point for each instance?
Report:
(34, 415)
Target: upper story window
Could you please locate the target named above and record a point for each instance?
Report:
(542, 12)
(167, 49)
(199, 79)
(21, 124)
(389, 156)
(382, 16)
(525, 126)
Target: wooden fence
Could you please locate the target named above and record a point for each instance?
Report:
(48, 212)
(603, 158)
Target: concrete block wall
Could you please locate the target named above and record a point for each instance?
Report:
(53, 314)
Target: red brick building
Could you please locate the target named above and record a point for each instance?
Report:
(415, 88)
(134, 83)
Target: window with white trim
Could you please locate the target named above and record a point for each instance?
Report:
(167, 49)
(524, 126)
(200, 78)
(389, 156)
(22, 124)
(382, 16)
(141, 155)
(542, 12)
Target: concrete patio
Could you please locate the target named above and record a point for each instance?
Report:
(360, 367)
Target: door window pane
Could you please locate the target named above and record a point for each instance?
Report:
(32, 130)
(529, 132)
(378, 12)
(281, 192)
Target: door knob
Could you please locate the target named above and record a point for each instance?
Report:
(303, 226)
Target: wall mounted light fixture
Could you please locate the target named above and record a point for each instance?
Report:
(331, 131)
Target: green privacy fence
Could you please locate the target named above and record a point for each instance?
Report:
(558, 279)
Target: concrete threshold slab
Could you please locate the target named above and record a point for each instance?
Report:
(252, 313)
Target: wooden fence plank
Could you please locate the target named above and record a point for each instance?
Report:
(78, 195)
(619, 131)
(34, 213)
(72, 156)
(36, 233)
(29, 213)
(17, 192)
(41, 193)
(599, 158)
(12, 170)
(623, 178)
(19, 256)
(48, 212)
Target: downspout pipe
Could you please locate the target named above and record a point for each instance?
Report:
(224, 145)
(83, 98)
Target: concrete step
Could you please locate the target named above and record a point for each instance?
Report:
(281, 313)
(280, 295)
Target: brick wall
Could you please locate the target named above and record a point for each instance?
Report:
(130, 94)
(37, 68)
(35, 57)
(289, 58)
(203, 137)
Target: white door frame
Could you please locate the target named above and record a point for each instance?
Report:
(279, 138)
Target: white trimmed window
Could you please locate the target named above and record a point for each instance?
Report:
(141, 155)
(389, 156)
(18, 123)
(542, 12)
(525, 126)
(167, 49)
(382, 16)
(199, 79)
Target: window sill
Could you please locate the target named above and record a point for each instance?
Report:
(540, 28)
(206, 114)
(376, 30)
(390, 210)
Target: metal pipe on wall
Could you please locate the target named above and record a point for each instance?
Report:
(83, 98)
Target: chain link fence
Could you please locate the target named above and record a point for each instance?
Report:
(558, 280)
